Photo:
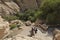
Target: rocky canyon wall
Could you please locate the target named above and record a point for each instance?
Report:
(19, 5)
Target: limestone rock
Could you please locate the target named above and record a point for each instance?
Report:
(4, 28)
(23, 5)
(8, 8)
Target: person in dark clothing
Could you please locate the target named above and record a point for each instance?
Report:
(35, 30)
(32, 32)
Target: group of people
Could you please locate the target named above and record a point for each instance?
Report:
(33, 31)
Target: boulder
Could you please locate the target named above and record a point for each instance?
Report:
(17, 22)
(28, 23)
(57, 37)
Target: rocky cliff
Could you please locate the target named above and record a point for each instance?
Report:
(28, 4)
(8, 7)
(13, 6)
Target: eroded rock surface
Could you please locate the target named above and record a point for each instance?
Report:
(24, 35)
(7, 7)
(4, 28)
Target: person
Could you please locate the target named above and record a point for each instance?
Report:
(32, 32)
(35, 30)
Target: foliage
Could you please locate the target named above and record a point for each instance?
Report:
(12, 26)
(31, 15)
(10, 17)
(50, 11)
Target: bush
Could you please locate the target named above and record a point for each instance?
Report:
(32, 15)
(12, 26)
(10, 17)
(28, 15)
(50, 11)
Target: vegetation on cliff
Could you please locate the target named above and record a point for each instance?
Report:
(49, 11)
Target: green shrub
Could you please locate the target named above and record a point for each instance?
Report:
(10, 17)
(50, 11)
(12, 26)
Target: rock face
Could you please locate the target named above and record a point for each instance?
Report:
(12, 6)
(28, 4)
(4, 28)
(21, 37)
(8, 7)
